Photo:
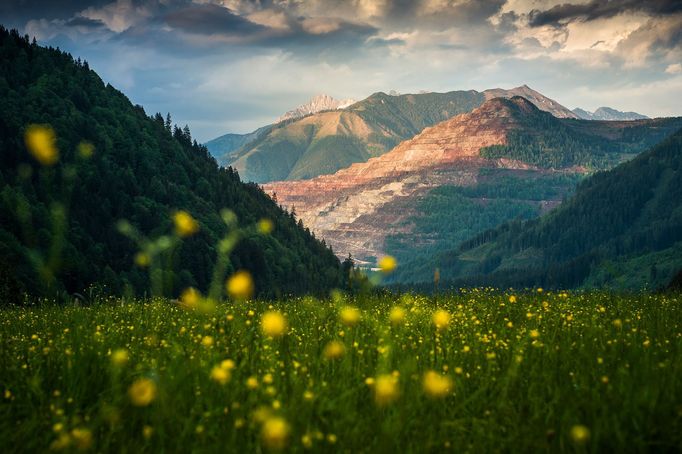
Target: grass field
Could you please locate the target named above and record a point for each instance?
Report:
(477, 371)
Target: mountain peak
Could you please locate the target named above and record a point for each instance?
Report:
(317, 103)
(540, 101)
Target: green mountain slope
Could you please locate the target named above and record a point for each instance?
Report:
(561, 151)
(622, 228)
(141, 171)
(328, 141)
(222, 147)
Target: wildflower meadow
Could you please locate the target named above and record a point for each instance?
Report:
(471, 371)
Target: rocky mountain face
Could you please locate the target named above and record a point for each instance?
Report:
(316, 104)
(608, 114)
(358, 208)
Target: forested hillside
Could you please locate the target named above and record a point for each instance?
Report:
(546, 141)
(622, 228)
(141, 169)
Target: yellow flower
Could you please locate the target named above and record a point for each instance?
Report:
(185, 224)
(82, 438)
(120, 357)
(265, 226)
(190, 298)
(388, 264)
(207, 341)
(512, 299)
(349, 315)
(275, 433)
(397, 315)
(240, 285)
(334, 350)
(147, 432)
(386, 389)
(580, 434)
(436, 385)
(534, 334)
(40, 141)
(142, 392)
(142, 260)
(441, 318)
(252, 383)
(273, 324)
(220, 375)
(227, 364)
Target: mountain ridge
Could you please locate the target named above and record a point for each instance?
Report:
(608, 114)
(316, 144)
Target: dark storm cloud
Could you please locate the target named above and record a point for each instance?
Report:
(211, 19)
(600, 9)
(80, 21)
(23, 10)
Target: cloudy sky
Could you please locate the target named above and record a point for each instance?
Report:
(233, 65)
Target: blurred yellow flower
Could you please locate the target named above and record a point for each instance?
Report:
(142, 259)
(119, 357)
(534, 334)
(40, 141)
(334, 350)
(220, 375)
(240, 285)
(207, 341)
(386, 389)
(252, 383)
(275, 433)
(441, 318)
(436, 385)
(397, 315)
(388, 264)
(82, 438)
(349, 315)
(265, 226)
(190, 298)
(142, 392)
(185, 224)
(580, 434)
(227, 364)
(273, 324)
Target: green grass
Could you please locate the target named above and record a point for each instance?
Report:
(611, 363)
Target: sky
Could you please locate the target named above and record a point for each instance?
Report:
(234, 65)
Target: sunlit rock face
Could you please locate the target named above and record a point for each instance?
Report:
(357, 207)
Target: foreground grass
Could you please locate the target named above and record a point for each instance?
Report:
(521, 372)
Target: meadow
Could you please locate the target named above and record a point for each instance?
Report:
(471, 371)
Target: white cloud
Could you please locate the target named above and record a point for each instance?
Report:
(675, 68)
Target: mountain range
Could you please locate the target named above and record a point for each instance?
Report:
(325, 142)
(326, 135)
(506, 159)
(608, 114)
